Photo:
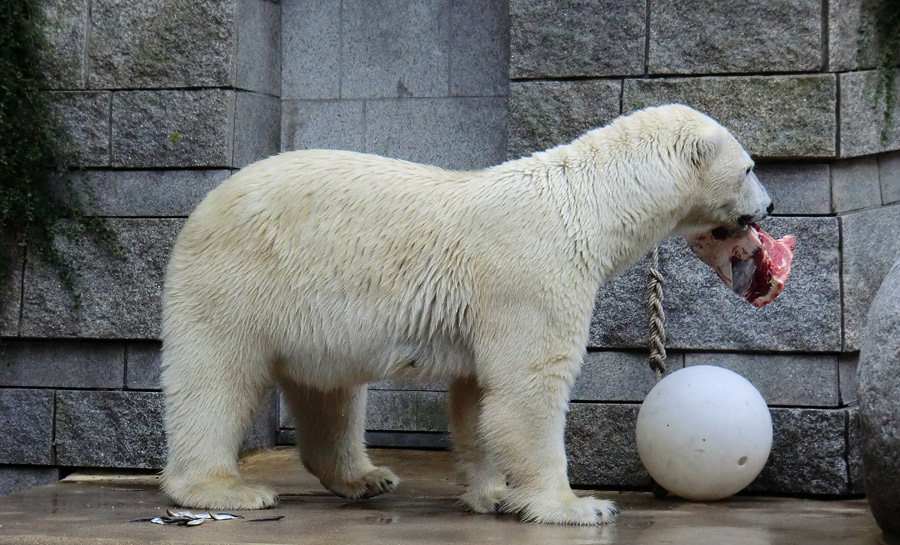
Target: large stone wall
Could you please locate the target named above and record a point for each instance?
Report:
(165, 99)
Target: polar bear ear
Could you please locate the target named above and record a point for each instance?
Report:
(709, 141)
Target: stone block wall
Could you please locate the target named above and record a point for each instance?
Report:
(166, 98)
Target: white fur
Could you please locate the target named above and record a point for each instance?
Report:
(325, 270)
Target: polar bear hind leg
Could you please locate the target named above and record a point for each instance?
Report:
(208, 414)
(330, 427)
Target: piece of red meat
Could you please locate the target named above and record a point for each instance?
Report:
(751, 263)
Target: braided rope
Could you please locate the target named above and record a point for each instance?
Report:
(657, 317)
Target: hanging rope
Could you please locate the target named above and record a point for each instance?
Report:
(657, 317)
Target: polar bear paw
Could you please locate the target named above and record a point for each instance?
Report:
(223, 493)
(588, 511)
(374, 483)
(487, 497)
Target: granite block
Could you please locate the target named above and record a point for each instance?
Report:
(257, 127)
(410, 384)
(110, 429)
(601, 446)
(389, 410)
(852, 38)
(543, 114)
(258, 54)
(550, 38)
(142, 365)
(848, 365)
(808, 453)
(86, 117)
(310, 49)
(479, 48)
(162, 43)
(889, 174)
(618, 376)
(395, 48)
(460, 133)
(64, 26)
(173, 128)
(797, 188)
(855, 465)
(871, 244)
(146, 193)
(702, 313)
(709, 37)
(879, 413)
(262, 433)
(790, 380)
(120, 297)
(862, 115)
(16, 478)
(10, 292)
(62, 364)
(409, 440)
(26, 418)
(855, 184)
(772, 116)
(323, 124)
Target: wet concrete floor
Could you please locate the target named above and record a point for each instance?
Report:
(95, 508)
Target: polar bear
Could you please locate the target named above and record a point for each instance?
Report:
(322, 271)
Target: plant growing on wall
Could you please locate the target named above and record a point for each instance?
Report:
(36, 202)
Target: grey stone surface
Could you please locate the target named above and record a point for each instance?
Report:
(461, 133)
(403, 384)
(772, 116)
(310, 49)
(16, 478)
(855, 465)
(257, 127)
(394, 48)
(64, 27)
(110, 429)
(618, 376)
(708, 37)
(848, 364)
(85, 114)
(62, 364)
(855, 184)
(411, 440)
(862, 117)
(702, 313)
(157, 193)
(262, 433)
(172, 128)
(550, 38)
(26, 418)
(161, 43)
(889, 174)
(10, 293)
(852, 41)
(389, 410)
(808, 453)
(871, 243)
(258, 55)
(142, 365)
(325, 124)
(797, 188)
(601, 447)
(879, 413)
(788, 380)
(479, 48)
(543, 114)
(120, 297)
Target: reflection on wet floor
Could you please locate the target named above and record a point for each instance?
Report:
(95, 508)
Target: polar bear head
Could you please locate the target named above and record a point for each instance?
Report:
(724, 190)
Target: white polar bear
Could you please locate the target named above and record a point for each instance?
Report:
(322, 271)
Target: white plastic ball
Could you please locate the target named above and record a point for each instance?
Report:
(704, 433)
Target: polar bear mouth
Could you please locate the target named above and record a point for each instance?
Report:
(750, 262)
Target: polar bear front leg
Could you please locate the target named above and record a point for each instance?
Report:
(330, 437)
(523, 425)
(485, 484)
